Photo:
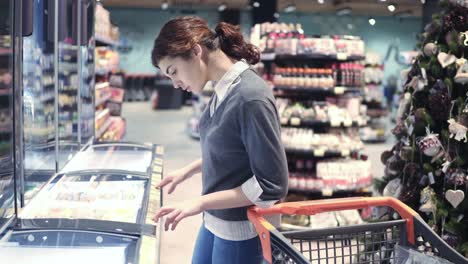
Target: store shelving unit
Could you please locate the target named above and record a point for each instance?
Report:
(108, 93)
(376, 131)
(319, 85)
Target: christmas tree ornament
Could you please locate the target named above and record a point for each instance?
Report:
(427, 201)
(464, 38)
(430, 49)
(403, 107)
(393, 188)
(430, 145)
(457, 131)
(456, 177)
(455, 197)
(462, 73)
(446, 59)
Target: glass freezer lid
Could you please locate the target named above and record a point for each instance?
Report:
(96, 196)
(107, 157)
(57, 246)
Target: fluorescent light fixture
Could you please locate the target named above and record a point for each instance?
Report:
(222, 7)
(372, 21)
(343, 11)
(290, 8)
(164, 5)
(423, 2)
(256, 4)
(383, 0)
(276, 15)
(321, 2)
(391, 8)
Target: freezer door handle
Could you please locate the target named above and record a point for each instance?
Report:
(27, 17)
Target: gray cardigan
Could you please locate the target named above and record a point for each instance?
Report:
(241, 146)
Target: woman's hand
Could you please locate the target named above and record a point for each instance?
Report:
(175, 213)
(173, 179)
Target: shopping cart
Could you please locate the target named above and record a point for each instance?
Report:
(373, 242)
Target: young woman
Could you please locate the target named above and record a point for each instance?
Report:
(243, 161)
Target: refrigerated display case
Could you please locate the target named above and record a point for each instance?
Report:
(63, 195)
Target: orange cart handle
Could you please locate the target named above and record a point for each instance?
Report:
(263, 227)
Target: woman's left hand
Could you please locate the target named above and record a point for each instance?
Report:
(177, 212)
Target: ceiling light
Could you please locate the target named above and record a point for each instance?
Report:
(350, 26)
(391, 7)
(256, 4)
(290, 8)
(423, 2)
(372, 21)
(321, 2)
(343, 11)
(276, 15)
(383, 0)
(222, 7)
(164, 5)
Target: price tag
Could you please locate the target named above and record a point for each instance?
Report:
(295, 121)
(284, 121)
(348, 123)
(341, 56)
(157, 169)
(380, 132)
(345, 152)
(340, 90)
(158, 161)
(319, 152)
(159, 150)
(335, 123)
(327, 192)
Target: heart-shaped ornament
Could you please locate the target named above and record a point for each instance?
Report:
(446, 59)
(455, 197)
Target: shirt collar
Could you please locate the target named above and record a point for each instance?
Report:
(223, 85)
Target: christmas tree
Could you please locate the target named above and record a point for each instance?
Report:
(428, 166)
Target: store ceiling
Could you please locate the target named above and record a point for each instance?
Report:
(358, 7)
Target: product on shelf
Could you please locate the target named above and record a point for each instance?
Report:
(336, 112)
(305, 140)
(107, 60)
(336, 174)
(116, 129)
(280, 38)
(337, 74)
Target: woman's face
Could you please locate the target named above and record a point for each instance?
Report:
(189, 75)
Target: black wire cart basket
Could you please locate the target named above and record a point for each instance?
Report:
(405, 240)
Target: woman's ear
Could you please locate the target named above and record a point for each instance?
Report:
(197, 51)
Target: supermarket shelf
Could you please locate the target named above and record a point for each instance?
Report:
(102, 85)
(377, 113)
(105, 41)
(320, 153)
(375, 140)
(306, 57)
(297, 122)
(104, 128)
(285, 91)
(103, 100)
(4, 92)
(6, 51)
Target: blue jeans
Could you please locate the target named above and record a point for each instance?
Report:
(210, 249)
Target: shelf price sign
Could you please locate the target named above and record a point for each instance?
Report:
(340, 90)
(319, 152)
(295, 121)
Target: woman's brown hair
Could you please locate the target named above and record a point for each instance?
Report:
(179, 36)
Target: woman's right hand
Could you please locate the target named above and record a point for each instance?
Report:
(173, 179)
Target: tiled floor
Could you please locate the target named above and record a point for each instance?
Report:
(168, 128)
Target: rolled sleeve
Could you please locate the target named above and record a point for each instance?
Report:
(252, 190)
(262, 140)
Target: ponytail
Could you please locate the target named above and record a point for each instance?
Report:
(233, 44)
